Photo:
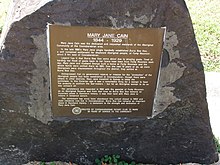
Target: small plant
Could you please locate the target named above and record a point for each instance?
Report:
(112, 160)
(217, 144)
(51, 163)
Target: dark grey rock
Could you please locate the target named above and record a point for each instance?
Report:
(178, 132)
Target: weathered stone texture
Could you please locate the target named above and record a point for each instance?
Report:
(178, 132)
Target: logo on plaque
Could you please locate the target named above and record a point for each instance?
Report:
(108, 73)
(76, 110)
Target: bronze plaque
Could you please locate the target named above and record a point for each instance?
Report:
(99, 72)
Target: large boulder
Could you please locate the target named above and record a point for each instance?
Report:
(179, 130)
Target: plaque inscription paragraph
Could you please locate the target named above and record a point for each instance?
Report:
(99, 72)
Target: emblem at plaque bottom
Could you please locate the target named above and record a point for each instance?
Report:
(76, 111)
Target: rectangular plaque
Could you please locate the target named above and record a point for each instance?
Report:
(99, 72)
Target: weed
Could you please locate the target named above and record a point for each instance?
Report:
(113, 160)
(51, 163)
(217, 144)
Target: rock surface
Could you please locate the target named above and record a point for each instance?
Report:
(179, 131)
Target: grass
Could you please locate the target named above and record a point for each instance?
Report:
(205, 16)
(3, 12)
